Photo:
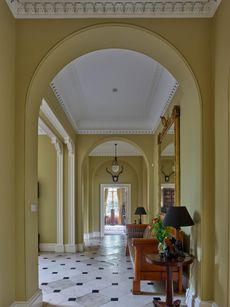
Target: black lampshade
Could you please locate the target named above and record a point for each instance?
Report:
(177, 217)
(140, 211)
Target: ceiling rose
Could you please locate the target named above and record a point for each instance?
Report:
(113, 8)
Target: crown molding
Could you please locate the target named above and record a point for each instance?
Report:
(113, 8)
(53, 119)
(62, 104)
(108, 131)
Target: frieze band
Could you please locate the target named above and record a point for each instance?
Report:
(100, 9)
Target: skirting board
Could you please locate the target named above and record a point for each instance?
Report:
(193, 301)
(34, 301)
(92, 235)
(70, 248)
(67, 248)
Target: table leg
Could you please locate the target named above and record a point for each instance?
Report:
(169, 287)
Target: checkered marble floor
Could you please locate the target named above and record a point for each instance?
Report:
(100, 276)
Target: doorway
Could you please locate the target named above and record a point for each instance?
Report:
(115, 208)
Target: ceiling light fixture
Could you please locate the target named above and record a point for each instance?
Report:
(116, 169)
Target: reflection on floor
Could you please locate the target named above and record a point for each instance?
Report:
(100, 276)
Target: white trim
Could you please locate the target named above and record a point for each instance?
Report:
(96, 234)
(107, 131)
(45, 108)
(59, 149)
(200, 303)
(34, 301)
(42, 125)
(193, 301)
(70, 248)
(86, 236)
(128, 214)
(80, 247)
(62, 104)
(47, 247)
(59, 248)
(71, 191)
(92, 235)
(113, 8)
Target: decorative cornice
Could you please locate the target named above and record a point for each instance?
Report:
(46, 130)
(53, 119)
(113, 8)
(108, 131)
(100, 131)
(62, 104)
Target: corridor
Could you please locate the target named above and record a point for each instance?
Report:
(99, 276)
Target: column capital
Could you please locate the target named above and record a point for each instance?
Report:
(57, 144)
(70, 145)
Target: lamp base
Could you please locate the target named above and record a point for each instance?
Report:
(140, 222)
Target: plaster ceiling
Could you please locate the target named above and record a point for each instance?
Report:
(113, 8)
(108, 149)
(114, 91)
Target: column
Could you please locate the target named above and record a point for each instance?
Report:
(71, 246)
(59, 149)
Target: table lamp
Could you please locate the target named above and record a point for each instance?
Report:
(140, 211)
(177, 217)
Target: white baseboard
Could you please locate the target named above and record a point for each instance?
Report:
(70, 248)
(61, 248)
(193, 301)
(80, 247)
(91, 235)
(34, 301)
(86, 236)
(47, 247)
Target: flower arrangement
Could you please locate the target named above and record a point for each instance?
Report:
(159, 230)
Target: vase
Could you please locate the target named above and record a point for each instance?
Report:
(161, 248)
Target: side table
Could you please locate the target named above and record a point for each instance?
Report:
(168, 264)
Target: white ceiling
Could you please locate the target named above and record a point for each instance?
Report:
(114, 91)
(113, 8)
(108, 149)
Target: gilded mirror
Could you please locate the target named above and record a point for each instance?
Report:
(169, 160)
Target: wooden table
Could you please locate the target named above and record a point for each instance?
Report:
(169, 264)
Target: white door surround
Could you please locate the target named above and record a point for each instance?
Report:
(128, 209)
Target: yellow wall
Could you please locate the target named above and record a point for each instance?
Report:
(47, 178)
(221, 86)
(7, 157)
(132, 174)
(34, 39)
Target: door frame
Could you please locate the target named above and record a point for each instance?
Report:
(128, 209)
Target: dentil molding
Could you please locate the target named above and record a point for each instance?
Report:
(113, 8)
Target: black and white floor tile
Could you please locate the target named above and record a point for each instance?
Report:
(100, 276)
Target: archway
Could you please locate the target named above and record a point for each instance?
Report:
(87, 40)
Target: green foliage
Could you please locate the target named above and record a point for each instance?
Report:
(159, 230)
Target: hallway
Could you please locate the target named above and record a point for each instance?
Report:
(99, 276)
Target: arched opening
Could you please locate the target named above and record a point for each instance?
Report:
(132, 177)
(85, 41)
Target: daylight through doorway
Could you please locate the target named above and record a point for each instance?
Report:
(115, 208)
